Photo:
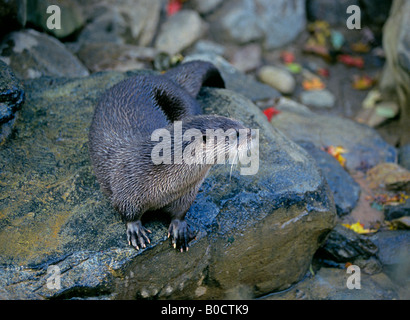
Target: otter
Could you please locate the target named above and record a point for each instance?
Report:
(121, 146)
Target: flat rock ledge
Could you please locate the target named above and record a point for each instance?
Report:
(60, 238)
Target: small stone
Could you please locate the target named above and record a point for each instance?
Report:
(247, 58)
(318, 98)
(278, 78)
(179, 32)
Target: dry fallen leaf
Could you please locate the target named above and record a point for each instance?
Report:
(351, 61)
(313, 84)
(337, 153)
(363, 82)
(358, 228)
(271, 112)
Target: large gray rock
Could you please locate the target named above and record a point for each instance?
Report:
(257, 232)
(32, 54)
(365, 148)
(121, 21)
(266, 21)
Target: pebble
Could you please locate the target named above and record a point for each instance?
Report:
(278, 78)
(179, 32)
(318, 98)
(247, 58)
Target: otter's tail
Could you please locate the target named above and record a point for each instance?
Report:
(194, 75)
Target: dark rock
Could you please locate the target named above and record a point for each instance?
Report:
(13, 15)
(11, 100)
(397, 211)
(345, 190)
(32, 54)
(332, 12)
(236, 80)
(257, 231)
(375, 13)
(365, 147)
(345, 245)
(71, 18)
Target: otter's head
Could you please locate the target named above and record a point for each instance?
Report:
(202, 141)
(212, 139)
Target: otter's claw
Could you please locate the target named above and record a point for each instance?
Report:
(137, 234)
(180, 234)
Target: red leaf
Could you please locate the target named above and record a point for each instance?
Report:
(287, 57)
(271, 112)
(351, 61)
(173, 7)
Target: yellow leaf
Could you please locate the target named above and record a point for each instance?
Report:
(313, 84)
(337, 153)
(358, 228)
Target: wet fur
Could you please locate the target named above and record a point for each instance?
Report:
(120, 145)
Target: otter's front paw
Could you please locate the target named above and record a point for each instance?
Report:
(137, 234)
(180, 234)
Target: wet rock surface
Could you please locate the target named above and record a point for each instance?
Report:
(11, 100)
(55, 215)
